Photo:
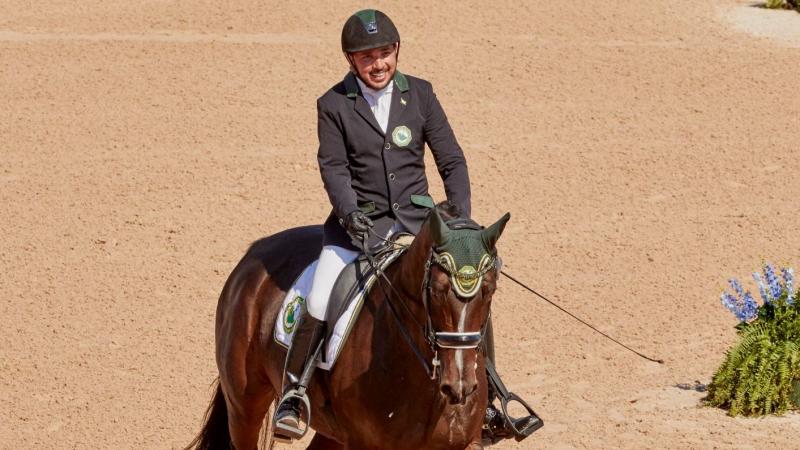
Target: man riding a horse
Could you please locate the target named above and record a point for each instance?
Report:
(373, 127)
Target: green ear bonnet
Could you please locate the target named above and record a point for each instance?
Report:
(465, 251)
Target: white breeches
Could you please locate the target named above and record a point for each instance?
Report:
(332, 260)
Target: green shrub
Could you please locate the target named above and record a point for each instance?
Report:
(760, 372)
(783, 4)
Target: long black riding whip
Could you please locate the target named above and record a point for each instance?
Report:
(660, 361)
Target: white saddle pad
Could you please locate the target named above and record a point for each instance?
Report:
(294, 306)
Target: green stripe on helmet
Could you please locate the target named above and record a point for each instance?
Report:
(368, 19)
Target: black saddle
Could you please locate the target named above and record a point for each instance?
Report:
(355, 278)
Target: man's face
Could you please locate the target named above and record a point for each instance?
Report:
(376, 67)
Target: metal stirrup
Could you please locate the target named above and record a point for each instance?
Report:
(286, 433)
(521, 426)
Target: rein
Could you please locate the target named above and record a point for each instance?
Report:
(435, 339)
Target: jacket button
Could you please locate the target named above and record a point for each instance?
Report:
(391, 176)
(395, 206)
(387, 146)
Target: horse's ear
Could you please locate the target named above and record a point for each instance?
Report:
(438, 228)
(492, 234)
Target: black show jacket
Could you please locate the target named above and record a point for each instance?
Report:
(384, 174)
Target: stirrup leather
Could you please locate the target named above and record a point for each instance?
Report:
(297, 391)
(522, 427)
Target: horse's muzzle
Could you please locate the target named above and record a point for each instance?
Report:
(458, 393)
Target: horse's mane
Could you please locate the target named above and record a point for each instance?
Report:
(448, 210)
(453, 216)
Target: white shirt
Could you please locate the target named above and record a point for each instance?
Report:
(379, 102)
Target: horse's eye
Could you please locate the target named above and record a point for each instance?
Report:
(441, 286)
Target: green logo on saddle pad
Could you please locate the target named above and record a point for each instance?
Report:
(293, 310)
(401, 136)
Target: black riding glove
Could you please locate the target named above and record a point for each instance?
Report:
(357, 224)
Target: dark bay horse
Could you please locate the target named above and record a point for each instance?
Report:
(381, 393)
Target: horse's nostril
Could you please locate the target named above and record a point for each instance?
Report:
(461, 395)
(451, 393)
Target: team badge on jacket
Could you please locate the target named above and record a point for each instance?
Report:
(401, 136)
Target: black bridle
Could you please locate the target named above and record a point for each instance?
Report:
(452, 340)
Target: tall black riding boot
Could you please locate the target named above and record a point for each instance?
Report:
(495, 426)
(299, 360)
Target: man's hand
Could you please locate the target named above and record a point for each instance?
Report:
(357, 224)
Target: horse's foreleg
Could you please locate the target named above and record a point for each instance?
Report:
(320, 442)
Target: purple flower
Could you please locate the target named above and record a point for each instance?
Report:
(761, 288)
(775, 288)
(743, 306)
(736, 286)
(749, 308)
(788, 279)
(729, 302)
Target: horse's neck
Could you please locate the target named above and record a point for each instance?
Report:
(395, 316)
(409, 272)
(427, 405)
(404, 314)
(399, 320)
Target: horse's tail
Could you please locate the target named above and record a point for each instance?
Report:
(215, 434)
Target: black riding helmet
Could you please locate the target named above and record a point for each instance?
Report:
(368, 29)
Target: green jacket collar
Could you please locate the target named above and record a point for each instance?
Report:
(351, 85)
(400, 81)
